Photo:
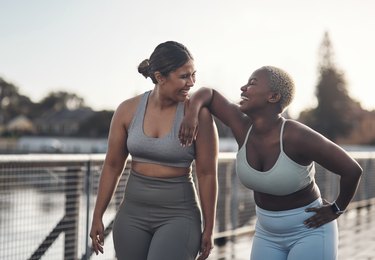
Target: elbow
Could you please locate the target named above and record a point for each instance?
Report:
(209, 175)
(114, 167)
(357, 172)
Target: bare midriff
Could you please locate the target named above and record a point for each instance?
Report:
(158, 170)
(291, 201)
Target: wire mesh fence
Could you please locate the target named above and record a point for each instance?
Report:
(46, 204)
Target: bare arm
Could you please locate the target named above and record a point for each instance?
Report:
(315, 147)
(206, 170)
(219, 106)
(335, 159)
(112, 169)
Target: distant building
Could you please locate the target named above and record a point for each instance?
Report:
(63, 122)
(20, 124)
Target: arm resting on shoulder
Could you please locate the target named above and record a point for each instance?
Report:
(227, 112)
(189, 125)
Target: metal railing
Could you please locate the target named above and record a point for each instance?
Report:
(46, 203)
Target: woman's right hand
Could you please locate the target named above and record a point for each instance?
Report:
(207, 245)
(97, 236)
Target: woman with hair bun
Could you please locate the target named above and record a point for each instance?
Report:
(160, 217)
(276, 159)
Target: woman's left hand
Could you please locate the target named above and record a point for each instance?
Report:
(323, 215)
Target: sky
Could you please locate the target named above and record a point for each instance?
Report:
(92, 47)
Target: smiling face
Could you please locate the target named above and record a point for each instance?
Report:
(178, 83)
(256, 92)
(268, 86)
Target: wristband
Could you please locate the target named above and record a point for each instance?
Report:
(336, 209)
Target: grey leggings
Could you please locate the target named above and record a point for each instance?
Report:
(159, 219)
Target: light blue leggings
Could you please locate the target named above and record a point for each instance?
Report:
(281, 235)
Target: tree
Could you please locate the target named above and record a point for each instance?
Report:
(57, 101)
(333, 115)
(12, 103)
(61, 100)
(55, 106)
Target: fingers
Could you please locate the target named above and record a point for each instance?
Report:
(314, 222)
(206, 248)
(97, 243)
(182, 135)
(187, 135)
(311, 209)
(205, 252)
(191, 136)
(322, 216)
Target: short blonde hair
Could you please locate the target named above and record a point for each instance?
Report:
(281, 82)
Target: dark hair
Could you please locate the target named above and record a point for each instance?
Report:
(167, 57)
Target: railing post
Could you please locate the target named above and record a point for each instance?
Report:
(367, 184)
(88, 195)
(71, 213)
(223, 202)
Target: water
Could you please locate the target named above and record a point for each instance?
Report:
(28, 215)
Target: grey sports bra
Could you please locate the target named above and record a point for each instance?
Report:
(165, 150)
(285, 177)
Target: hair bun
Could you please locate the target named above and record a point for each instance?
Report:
(143, 68)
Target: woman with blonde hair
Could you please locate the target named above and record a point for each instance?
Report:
(276, 159)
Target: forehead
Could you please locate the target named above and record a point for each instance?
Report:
(259, 75)
(187, 67)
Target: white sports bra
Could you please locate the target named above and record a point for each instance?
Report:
(285, 177)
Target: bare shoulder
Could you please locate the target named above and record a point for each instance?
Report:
(301, 139)
(304, 145)
(207, 125)
(126, 110)
(297, 131)
(204, 114)
(130, 103)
